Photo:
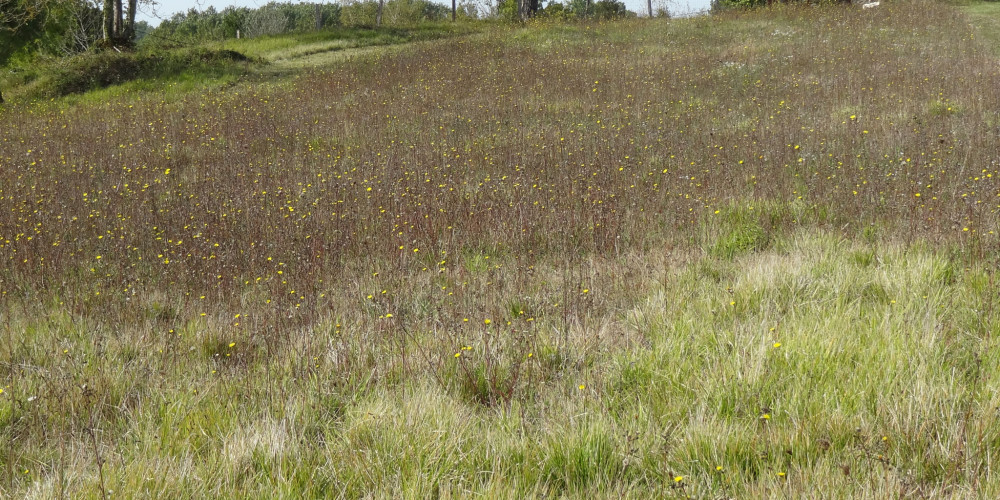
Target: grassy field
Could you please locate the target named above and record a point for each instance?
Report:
(986, 15)
(743, 256)
(186, 68)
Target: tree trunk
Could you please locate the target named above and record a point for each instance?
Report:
(378, 13)
(650, 4)
(454, 10)
(109, 23)
(118, 23)
(129, 33)
(319, 18)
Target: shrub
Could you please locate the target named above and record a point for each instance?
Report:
(103, 69)
(611, 9)
(394, 13)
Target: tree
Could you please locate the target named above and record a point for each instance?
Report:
(119, 24)
(20, 21)
(267, 20)
(83, 28)
(52, 27)
(661, 10)
(611, 9)
(580, 8)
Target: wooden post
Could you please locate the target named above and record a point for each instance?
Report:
(378, 14)
(454, 10)
(650, 3)
(319, 18)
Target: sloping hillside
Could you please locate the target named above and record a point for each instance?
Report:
(751, 255)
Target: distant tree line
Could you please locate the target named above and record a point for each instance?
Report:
(29, 28)
(720, 5)
(271, 19)
(581, 9)
(279, 18)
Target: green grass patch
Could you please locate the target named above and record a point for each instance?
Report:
(986, 17)
(136, 70)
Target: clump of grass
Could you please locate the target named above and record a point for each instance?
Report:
(741, 232)
(92, 71)
(943, 107)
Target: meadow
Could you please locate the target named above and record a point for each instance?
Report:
(751, 255)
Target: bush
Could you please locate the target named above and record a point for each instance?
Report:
(394, 13)
(739, 232)
(274, 18)
(554, 11)
(611, 9)
(103, 69)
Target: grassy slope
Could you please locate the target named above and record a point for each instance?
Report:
(185, 70)
(698, 245)
(986, 15)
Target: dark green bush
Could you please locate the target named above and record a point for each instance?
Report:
(103, 69)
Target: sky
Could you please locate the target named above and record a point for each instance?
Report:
(166, 8)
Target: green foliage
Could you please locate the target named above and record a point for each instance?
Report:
(208, 64)
(740, 232)
(29, 29)
(579, 458)
(93, 71)
(554, 10)
(603, 9)
(507, 10)
(612, 9)
(274, 18)
(394, 12)
(580, 8)
(719, 5)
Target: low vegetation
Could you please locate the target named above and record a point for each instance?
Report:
(708, 257)
(211, 63)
